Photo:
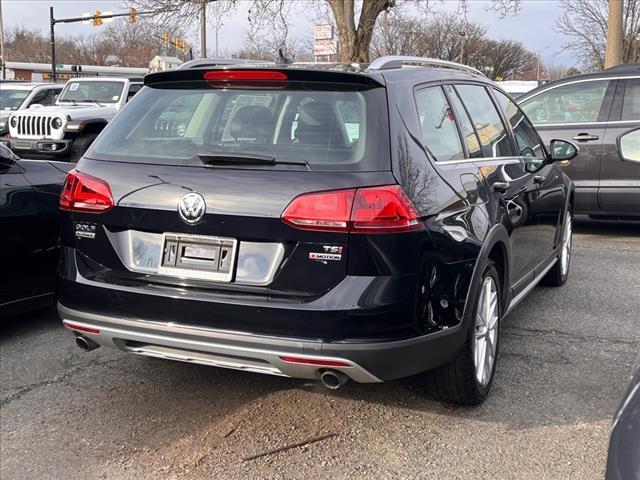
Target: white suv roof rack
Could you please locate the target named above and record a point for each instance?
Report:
(397, 61)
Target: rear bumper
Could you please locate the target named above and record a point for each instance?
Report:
(364, 362)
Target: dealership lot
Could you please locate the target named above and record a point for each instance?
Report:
(104, 414)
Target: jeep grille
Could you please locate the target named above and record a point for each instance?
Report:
(34, 126)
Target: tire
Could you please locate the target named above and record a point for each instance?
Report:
(458, 382)
(557, 276)
(80, 145)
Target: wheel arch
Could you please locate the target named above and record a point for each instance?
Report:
(495, 248)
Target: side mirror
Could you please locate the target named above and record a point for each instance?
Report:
(562, 151)
(629, 146)
(7, 157)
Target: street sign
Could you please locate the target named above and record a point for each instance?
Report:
(60, 65)
(323, 32)
(325, 47)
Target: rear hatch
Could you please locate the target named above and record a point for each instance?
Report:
(210, 179)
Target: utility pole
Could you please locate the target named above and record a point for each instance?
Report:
(3, 61)
(463, 34)
(203, 30)
(613, 55)
(52, 40)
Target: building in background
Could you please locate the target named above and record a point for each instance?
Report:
(160, 63)
(41, 72)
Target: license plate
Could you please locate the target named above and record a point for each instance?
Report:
(198, 256)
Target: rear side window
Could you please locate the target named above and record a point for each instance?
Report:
(528, 140)
(439, 133)
(494, 138)
(329, 129)
(468, 133)
(574, 103)
(631, 104)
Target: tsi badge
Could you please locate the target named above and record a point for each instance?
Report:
(191, 208)
(330, 253)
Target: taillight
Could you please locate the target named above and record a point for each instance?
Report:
(84, 193)
(364, 210)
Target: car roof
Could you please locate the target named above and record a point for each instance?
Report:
(619, 71)
(393, 69)
(28, 86)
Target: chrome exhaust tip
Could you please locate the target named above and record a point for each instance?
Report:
(333, 379)
(86, 344)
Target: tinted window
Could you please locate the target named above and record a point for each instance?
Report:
(468, 133)
(133, 89)
(528, 140)
(631, 105)
(574, 103)
(439, 132)
(493, 134)
(329, 129)
(39, 98)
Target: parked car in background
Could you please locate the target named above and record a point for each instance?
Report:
(316, 222)
(623, 462)
(16, 96)
(517, 88)
(29, 231)
(595, 111)
(66, 129)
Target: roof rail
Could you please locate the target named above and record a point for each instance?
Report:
(397, 61)
(215, 62)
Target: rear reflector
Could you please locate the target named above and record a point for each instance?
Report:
(80, 328)
(84, 193)
(382, 209)
(317, 362)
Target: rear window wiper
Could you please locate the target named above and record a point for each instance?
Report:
(232, 158)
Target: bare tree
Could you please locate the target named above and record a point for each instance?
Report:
(354, 20)
(585, 21)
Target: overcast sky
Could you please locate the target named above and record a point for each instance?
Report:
(533, 26)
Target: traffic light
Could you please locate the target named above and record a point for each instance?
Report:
(166, 39)
(133, 13)
(97, 21)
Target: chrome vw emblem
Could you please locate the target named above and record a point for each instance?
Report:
(191, 208)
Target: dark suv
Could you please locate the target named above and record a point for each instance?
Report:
(315, 222)
(598, 111)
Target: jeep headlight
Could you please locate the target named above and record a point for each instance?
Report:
(56, 123)
(14, 122)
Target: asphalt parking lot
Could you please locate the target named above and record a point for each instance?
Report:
(566, 353)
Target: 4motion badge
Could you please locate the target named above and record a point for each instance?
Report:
(330, 253)
(85, 230)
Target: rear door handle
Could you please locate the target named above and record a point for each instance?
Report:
(585, 137)
(501, 187)
(539, 179)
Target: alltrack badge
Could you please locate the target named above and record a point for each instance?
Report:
(192, 208)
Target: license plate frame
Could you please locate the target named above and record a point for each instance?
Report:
(198, 257)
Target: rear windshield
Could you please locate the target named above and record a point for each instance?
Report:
(328, 129)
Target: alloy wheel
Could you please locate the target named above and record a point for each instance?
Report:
(485, 340)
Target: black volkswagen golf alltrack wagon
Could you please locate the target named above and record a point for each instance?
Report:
(327, 223)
